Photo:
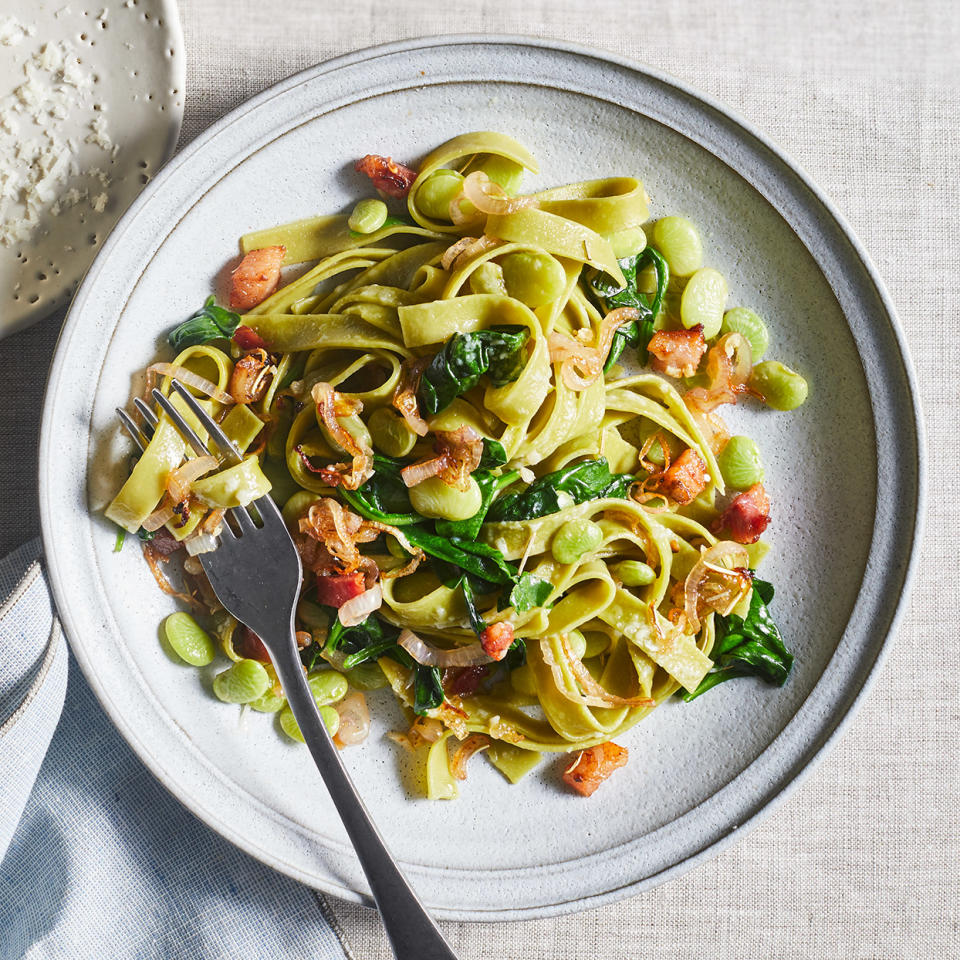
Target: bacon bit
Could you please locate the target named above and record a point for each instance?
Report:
(248, 645)
(464, 681)
(394, 179)
(164, 543)
(593, 766)
(685, 478)
(334, 590)
(246, 338)
(496, 639)
(256, 277)
(458, 455)
(473, 744)
(251, 377)
(747, 516)
(677, 353)
(405, 395)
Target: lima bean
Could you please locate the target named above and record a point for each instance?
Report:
(679, 242)
(533, 278)
(437, 500)
(781, 387)
(390, 433)
(244, 681)
(433, 198)
(703, 300)
(750, 326)
(574, 539)
(289, 725)
(368, 216)
(189, 641)
(740, 463)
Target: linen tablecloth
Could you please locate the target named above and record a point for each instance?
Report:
(862, 861)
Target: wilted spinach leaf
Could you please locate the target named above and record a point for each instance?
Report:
(748, 646)
(210, 322)
(465, 358)
(637, 333)
(587, 480)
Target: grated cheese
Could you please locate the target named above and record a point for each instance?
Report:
(42, 173)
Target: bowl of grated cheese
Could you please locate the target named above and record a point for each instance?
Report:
(91, 100)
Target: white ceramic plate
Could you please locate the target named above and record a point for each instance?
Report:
(845, 522)
(116, 63)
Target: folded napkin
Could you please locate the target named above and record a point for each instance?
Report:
(96, 858)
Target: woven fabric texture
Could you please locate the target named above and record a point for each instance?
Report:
(862, 862)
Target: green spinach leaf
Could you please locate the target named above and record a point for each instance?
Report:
(587, 480)
(465, 358)
(210, 322)
(529, 592)
(384, 497)
(748, 646)
(638, 332)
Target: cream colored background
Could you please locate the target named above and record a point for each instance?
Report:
(863, 860)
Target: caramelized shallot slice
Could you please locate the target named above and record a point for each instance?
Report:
(354, 720)
(718, 581)
(405, 396)
(581, 365)
(473, 744)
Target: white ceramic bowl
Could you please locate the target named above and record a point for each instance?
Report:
(846, 511)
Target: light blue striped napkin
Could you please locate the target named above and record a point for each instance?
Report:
(96, 858)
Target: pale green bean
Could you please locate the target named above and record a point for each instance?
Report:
(289, 725)
(242, 682)
(633, 573)
(574, 539)
(781, 387)
(740, 463)
(533, 278)
(328, 686)
(434, 196)
(703, 300)
(679, 242)
(368, 216)
(390, 433)
(749, 325)
(437, 500)
(188, 640)
(488, 278)
(353, 425)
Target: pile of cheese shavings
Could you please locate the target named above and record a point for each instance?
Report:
(43, 124)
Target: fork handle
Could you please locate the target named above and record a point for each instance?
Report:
(412, 932)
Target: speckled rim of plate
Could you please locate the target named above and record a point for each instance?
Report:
(887, 368)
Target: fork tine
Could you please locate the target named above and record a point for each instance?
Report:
(136, 434)
(244, 520)
(269, 511)
(199, 447)
(149, 417)
(231, 455)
